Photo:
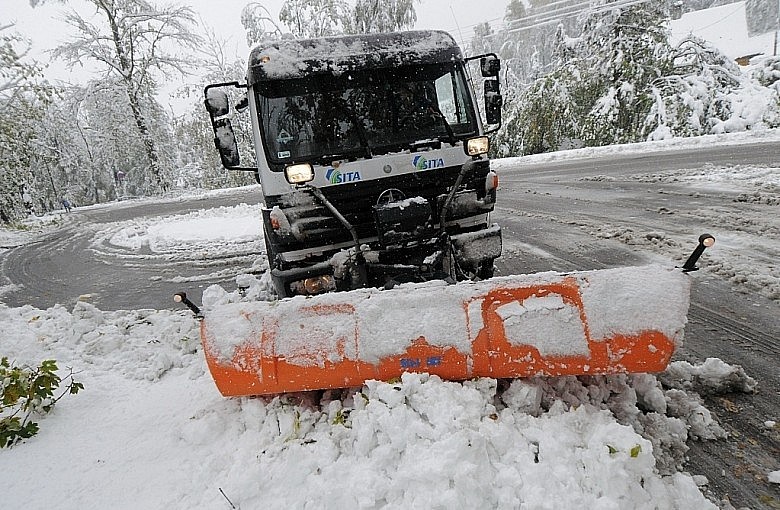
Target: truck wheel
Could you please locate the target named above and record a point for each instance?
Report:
(485, 270)
(279, 286)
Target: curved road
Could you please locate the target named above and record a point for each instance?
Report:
(78, 260)
(580, 214)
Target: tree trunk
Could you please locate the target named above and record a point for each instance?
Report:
(128, 77)
(148, 140)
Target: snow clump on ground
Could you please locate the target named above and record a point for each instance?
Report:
(150, 408)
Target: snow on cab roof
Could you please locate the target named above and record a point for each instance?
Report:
(291, 58)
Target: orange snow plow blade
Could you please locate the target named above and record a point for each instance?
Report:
(596, 322)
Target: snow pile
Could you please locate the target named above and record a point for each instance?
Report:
(204, 230)
(426, 443)
(712, 376)
(417, 442)
(224, 240)
(649, 147)
(139, 344)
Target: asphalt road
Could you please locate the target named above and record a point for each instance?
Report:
(583, 214)
(559, 217)
(77, 261)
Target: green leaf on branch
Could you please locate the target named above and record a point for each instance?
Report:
(27, 391)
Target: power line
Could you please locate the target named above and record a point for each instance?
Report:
(721, 19)
(569, 12)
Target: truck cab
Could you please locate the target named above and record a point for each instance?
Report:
(372, 157)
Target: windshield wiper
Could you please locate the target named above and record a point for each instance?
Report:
(451, 134)
(361, 132)
(327, 158)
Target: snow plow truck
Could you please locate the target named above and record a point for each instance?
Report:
(371, 151)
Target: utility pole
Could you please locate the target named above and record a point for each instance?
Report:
(777, 28)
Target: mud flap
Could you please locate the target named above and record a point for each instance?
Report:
(599, 322)
(473, 249)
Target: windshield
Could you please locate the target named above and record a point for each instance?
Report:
(363, 113)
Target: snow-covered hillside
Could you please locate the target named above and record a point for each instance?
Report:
(725, 27)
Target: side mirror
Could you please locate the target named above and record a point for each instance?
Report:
(493, 102)
(218, 106)
(225, 141)
(217, 103)
(490, 65)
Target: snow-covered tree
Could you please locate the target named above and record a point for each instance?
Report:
(89, 148)
(480, 41)
(600, 89)
(318, 18)
(515, 10)
(258, 24)
(24, 97)
(369, 16)
(134, 40)
(313, 18)
(709, 93)
(621, 81)
(627, 50)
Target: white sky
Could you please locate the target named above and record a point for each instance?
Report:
(723, 26)
(45, 28)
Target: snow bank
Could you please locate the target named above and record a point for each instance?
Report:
(211, 230)
(712, 376)
(722, 140)
(138, 344)
(150, 417)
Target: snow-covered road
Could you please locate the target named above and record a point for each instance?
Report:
(588, 213)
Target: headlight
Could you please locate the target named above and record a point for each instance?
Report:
(299, 173)
(477, 146)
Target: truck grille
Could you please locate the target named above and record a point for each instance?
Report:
(355, 201)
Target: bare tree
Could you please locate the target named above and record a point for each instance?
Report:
(133, 41)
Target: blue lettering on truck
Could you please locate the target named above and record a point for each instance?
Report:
(412, 363)
(335, 177)
(422, 163)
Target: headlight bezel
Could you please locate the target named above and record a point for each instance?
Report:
(299, 173)
(476, 146)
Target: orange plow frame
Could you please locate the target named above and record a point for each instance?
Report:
(635, 340)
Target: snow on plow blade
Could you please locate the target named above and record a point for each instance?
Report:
(595, 322)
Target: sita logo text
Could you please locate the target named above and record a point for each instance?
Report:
(420, 163)
(335, 177)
